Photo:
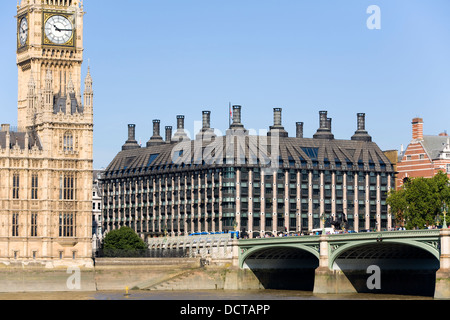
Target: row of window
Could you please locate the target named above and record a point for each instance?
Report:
(67, 187)
(67, 225)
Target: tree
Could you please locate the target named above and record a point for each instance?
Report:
(123, 239)
(420, 201)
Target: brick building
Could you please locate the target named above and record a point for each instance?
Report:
(425, 156)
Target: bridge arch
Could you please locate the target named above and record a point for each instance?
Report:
(405, 266)
(278, 250)
(287, 266)
(352, 247)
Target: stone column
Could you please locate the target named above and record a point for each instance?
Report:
(378, 202)
(389, 215)
(154, 207)
(148, 208)
(220, 201)
(286, 201)
(310, 204)
(329, 281)
(238, 200)
(322, 202)
(199, 204)
(323, 282)
(299, 204)
(443, 274)
(213, 200)
(274, 204)
(367, 201)
(355, 203)
(185, 219)
(207, 226)
(344, 197)
(192, 205)
(250, 204)
(263, 205)
(333, 196)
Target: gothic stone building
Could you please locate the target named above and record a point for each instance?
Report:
(257, 184)
(46, 161)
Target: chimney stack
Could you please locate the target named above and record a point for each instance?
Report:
(156, 139)
(277, 128)
(299, 130)
(180, 134)
(417, 129)
(131, 132)
(131, 143)
(236, 125)
(168, 134)
(156, 129)
(206, 133)
(324, 132)
(206, 119)
(237, 116)
(361, 133)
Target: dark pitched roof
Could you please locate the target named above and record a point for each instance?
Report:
(18, 138)
(326, 154)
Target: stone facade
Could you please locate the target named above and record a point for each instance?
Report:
(46, 161)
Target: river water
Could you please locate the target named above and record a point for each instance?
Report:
(219, 295)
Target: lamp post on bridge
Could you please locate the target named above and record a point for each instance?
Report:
(444, 211)
(324, 219)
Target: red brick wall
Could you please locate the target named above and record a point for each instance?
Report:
(416, 163)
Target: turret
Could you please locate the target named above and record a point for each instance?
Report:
(88, 94)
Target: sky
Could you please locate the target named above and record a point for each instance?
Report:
(156, 59)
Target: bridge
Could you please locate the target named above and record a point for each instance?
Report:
(408, 262)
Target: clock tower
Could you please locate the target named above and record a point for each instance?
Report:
(47, 162)
(49, 43)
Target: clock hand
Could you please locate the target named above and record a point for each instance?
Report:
(65, 29)
(57, 29)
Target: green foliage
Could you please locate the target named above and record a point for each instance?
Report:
(123, 239)
(419, 203)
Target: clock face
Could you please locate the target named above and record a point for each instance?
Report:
(23, 31)
(58, 29)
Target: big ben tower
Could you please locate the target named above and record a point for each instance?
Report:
(49, 40)
(46, 200)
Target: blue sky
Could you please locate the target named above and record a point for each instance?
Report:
(156, 59)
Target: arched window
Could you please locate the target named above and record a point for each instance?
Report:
(68, 142)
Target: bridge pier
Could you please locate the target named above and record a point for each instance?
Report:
(443, 274)
(328, 281)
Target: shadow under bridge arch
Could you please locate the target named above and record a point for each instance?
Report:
(404, 267)
(283, 267)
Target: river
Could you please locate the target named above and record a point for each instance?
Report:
(220, 295)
